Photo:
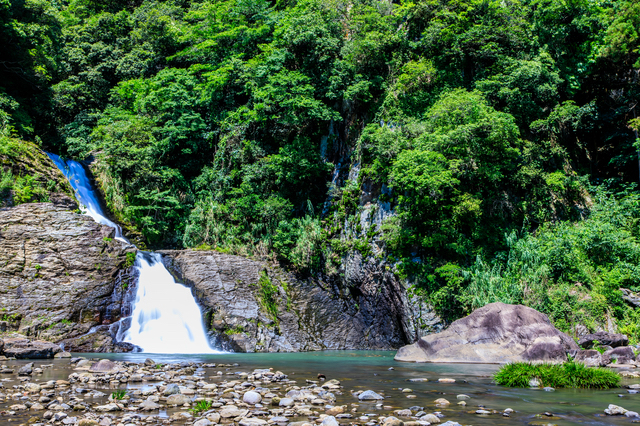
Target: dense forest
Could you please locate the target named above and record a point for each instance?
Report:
(495, 140)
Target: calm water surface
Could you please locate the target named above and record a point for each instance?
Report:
(360, 370)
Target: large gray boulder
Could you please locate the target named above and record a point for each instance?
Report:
(495, 333)
(21, 348)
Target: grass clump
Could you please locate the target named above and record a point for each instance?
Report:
(200, 406)
(570, 374)
(118, 395)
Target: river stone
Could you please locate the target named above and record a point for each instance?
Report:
(451, 423)
(279, 419)
(252, 398)
(431, 418)
(392, 421)
(26, 370)
(251, 421)
(171, 389)
(404, 413)
(108, 407)
(495, 333)
(87, 422)
(329, 421)
(178, 399)
(615, 410)
(604, 339)
(369, 395)
(65, 355)
(203, 422)
(286, 402)
(104, 366)
(149, 405)
(32, 387)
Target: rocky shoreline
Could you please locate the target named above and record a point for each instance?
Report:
(102, 392)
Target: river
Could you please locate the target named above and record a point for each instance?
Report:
(376, 370)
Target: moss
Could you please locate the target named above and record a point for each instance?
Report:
(131, 259)
(268, 293)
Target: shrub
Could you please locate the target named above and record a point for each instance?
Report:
(568, 375)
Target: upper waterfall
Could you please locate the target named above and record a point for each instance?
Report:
(166, 317)
(85, 193)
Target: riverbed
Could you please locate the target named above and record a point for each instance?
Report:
(376, 370)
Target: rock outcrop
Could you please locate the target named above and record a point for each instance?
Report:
(16, 347)
(603, 338)
(59, 271)
(495, 333)
(254, 306)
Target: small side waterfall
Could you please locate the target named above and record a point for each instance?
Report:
(166, 318)
(86, 195)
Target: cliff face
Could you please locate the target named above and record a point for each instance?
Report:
(59, 272)
(254, 306)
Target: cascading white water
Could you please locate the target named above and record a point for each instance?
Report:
(86, 195)
(166, 317)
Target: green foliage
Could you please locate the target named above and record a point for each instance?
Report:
(200, 406)
(130, 259)
(119, 395)
(268, 295)
(567, 375)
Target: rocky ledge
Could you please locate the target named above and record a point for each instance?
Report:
(495, 333)
(61, 274)
(255, 306)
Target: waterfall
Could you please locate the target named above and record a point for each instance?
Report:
(86, 195)
(166, 318)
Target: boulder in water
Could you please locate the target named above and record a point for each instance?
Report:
(252, 398)
(369, 395)
(178, 399)
(495, 333)
(104, 366)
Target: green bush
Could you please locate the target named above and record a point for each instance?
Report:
(567, 375)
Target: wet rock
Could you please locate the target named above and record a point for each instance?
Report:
(252, 422)
(393, 421)
(22, 348)
(149, 405)
(279, 419)
(329, 421)
(404, 413)
(213, 417)
(615, 410)
(108, 407)
(171, 389)
(203, 422)
(65, 355)
(431, 418)
(87, 422)
(26, 370)
(451, 423)
(105, 366)
(603, 338)
(441, 401)
(369, 395)
(252, 398)
(178, 399)
(497, 332)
